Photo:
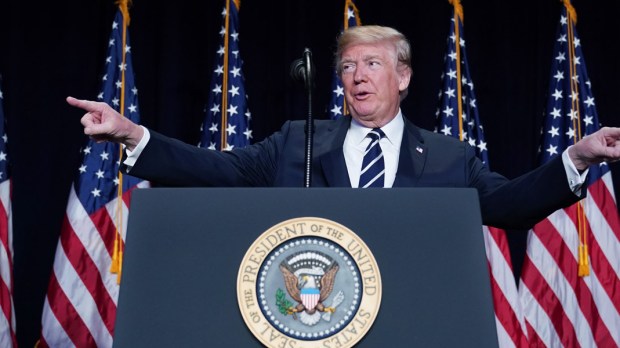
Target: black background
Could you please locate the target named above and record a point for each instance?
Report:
(52, 49)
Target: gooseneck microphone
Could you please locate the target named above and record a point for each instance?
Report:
(302, 69)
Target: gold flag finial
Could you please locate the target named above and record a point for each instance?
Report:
(458, 8)
(572, 14)
(349, 4)
(124, 7)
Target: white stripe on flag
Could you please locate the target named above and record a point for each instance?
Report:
(505, 341)
(90, 238)
(503, 274)
(80, 298)
(51, 330)
(555, 279)
(537, 317)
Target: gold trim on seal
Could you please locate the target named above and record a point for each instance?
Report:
(309, 227)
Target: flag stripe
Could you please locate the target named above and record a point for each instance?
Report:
(87, 232)
(81, 302)
(601, 195)
(539, 286)
(568, 267)
(577, 301)
(548, 336)
(505, 317)
(5, 198)
(505, 294)
(507, 341)
(6, 315)
(83, 265)
(52, 329)
(602, 260)
(71, 322)
(6, 262)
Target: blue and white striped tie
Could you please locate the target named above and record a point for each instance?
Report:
(373, 166)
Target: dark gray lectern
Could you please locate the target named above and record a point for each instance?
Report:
(184, 248)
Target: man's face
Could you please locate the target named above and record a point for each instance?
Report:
(372, 82)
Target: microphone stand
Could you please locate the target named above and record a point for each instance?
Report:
(303, 69)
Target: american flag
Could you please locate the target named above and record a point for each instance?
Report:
(80, 306)
(338, 105)
(7, 310)
(457, 116)
(562, 303)
(227, 116)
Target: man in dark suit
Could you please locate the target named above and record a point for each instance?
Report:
(375, 67)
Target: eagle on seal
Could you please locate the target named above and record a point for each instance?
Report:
(303, 289)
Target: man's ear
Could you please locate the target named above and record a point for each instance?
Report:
(404, 78)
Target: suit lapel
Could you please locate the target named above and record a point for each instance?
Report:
(332, 160)
(411, 160)
(412, 157)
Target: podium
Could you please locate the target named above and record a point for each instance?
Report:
(184, 248)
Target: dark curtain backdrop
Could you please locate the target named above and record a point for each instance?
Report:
(51, 49)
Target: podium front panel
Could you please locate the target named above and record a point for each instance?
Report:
(184, 247)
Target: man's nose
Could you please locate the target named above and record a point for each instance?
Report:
(359, 75)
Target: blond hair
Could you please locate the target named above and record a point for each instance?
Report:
(372, 34)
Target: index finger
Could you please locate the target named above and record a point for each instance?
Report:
(84, 104)
(611, 132)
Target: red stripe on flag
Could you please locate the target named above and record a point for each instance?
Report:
(68, 318)
(88, 273)
(546, 298)
(5, 300)
(499, 236)
(106, 228)
(548, 235)
(4, 228)
(127, 194)
(534, 341)
(606, 204)
(41, 343)
(6, 303)
(4, 237)
(6, 285)
(506, 315)
(599, 265)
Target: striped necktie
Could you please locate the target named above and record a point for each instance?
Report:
(373, 166)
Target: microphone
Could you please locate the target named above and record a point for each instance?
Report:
(302, 69)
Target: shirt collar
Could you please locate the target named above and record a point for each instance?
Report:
(393, 130)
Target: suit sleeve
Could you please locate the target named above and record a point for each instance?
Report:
(170, 162)
(524, 201)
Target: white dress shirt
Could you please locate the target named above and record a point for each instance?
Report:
(355, 144)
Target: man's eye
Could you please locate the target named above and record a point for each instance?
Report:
(348, 67)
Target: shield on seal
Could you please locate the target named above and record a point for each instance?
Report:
(310, 297)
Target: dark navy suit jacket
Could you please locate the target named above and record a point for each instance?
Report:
(427, 159)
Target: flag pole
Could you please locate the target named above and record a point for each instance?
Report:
(224, 140)
(458, 16)
(582, 229)
(116, 266)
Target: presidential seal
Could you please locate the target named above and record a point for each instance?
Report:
(309, 282)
